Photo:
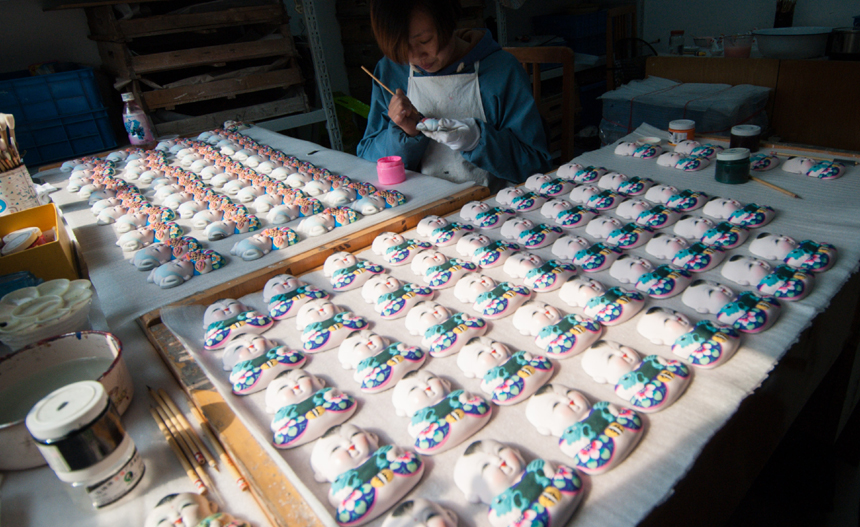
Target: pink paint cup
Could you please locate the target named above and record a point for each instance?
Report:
(390, 170)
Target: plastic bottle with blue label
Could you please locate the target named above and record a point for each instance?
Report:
(136, 121)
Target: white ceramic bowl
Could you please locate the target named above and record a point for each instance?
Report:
(30, 374)
(792, 43)
(66, 308)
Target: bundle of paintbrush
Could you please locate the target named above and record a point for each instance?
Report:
(10, 158)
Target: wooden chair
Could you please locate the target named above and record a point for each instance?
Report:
(557, 109)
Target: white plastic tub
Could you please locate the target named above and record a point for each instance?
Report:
(792, 42)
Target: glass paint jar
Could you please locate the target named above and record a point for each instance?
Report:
(745, 136)
(681, 130)
(733, 166)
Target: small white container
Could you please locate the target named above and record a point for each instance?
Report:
(78, 431)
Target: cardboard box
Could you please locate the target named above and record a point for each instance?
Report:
(49, 261)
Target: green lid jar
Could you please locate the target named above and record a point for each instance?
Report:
(733, 166)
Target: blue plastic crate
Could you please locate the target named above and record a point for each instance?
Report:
(40, 97)
(65, 137)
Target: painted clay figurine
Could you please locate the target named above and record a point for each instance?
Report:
(772, 246)
(745, 270)
(366, 480)
(787, 283)
(310, 414)
(706, 296)
(616, 306)
(533, 316)
(440, 231)
(285, 294)
(358, 346)
(698, 258)
(650, 384)
(326, 328)
(539, 493)
(630, 236)
(665, 246)
(348, 272)
(687, 200)
(549, 276)
(568, 337)
(611, 180)
(162, 252)
(447, 336)
(397, 250)
(255, 374)
(725, 236)
(472, 286)
(226, 319)
(382, 371)
(812, 256)
(494, 254)
(750, 313)
(438, 271)
(597, 257)
(420, 512)
(577, 291)
(707, 345)
(501, 301)
(721, 208)
(752, 216)
(630, 208)
(662, 325)
(263, 242)
(692, 227)
(664, 282)
(520, 263)
(245, 347)
(627, 269)
(658, 217)
(187, 509)
(602, 226)
(581, 194)
(568, 246)
(635, 186)
(441, 419)
(555, 407)
(573, 217)
(661, 194)
(507, 378)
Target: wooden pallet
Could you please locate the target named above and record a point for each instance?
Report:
(274, 492)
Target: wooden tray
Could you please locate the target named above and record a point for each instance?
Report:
(277, 496)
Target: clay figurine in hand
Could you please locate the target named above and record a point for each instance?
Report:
(397, 250)
(539, 493)
(721, 208)
(662, 325)
(725, 236)
(706, 296)
(627, 269)
(581, 194)
(382, 371)
(698, 258)
(569, 336)
(245, 347)
(255, 374)
(745, 270)
(360, 345)
(750, 313)
(634, 186)
(419, 512)
(440, 419)
(665, 246)
(226, 319)
(752, 216)
(787, 283)
(707, 345)
(575, 216)
(812, 256)
(366, 480)
(596, 257)
(658, 217)
(533, 316)
(577, 291)
(772, 246)
(262, 243)
(692, 227)
(438, 271)
(549, 276)
(285, 294)
(588, 174)
(602, 226)
(310, 414)
(606, 200)
(162, 252)
(494, 254)
(187, 509)
(325, 330)
(348, 272)
(568, 245)
(472, 286)
(501, 301)
(521, 263)
(650, 384)
(664, 282)
(440, 231)
(616, 306)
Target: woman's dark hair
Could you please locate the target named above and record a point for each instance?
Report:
(390, 22)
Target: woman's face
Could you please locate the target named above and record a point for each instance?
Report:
(424, 50)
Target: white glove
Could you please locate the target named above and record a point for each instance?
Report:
(460, 136)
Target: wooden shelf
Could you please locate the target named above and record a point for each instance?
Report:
(211, 55)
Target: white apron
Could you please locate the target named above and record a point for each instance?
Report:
(454, 97)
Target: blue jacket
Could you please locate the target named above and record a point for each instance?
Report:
(513, 145)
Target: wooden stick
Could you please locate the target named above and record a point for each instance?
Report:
(177, 427)
(198, 483)
(377, 80)
(219, 449)
(186, 449)
(774, 187)
(194, 437)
